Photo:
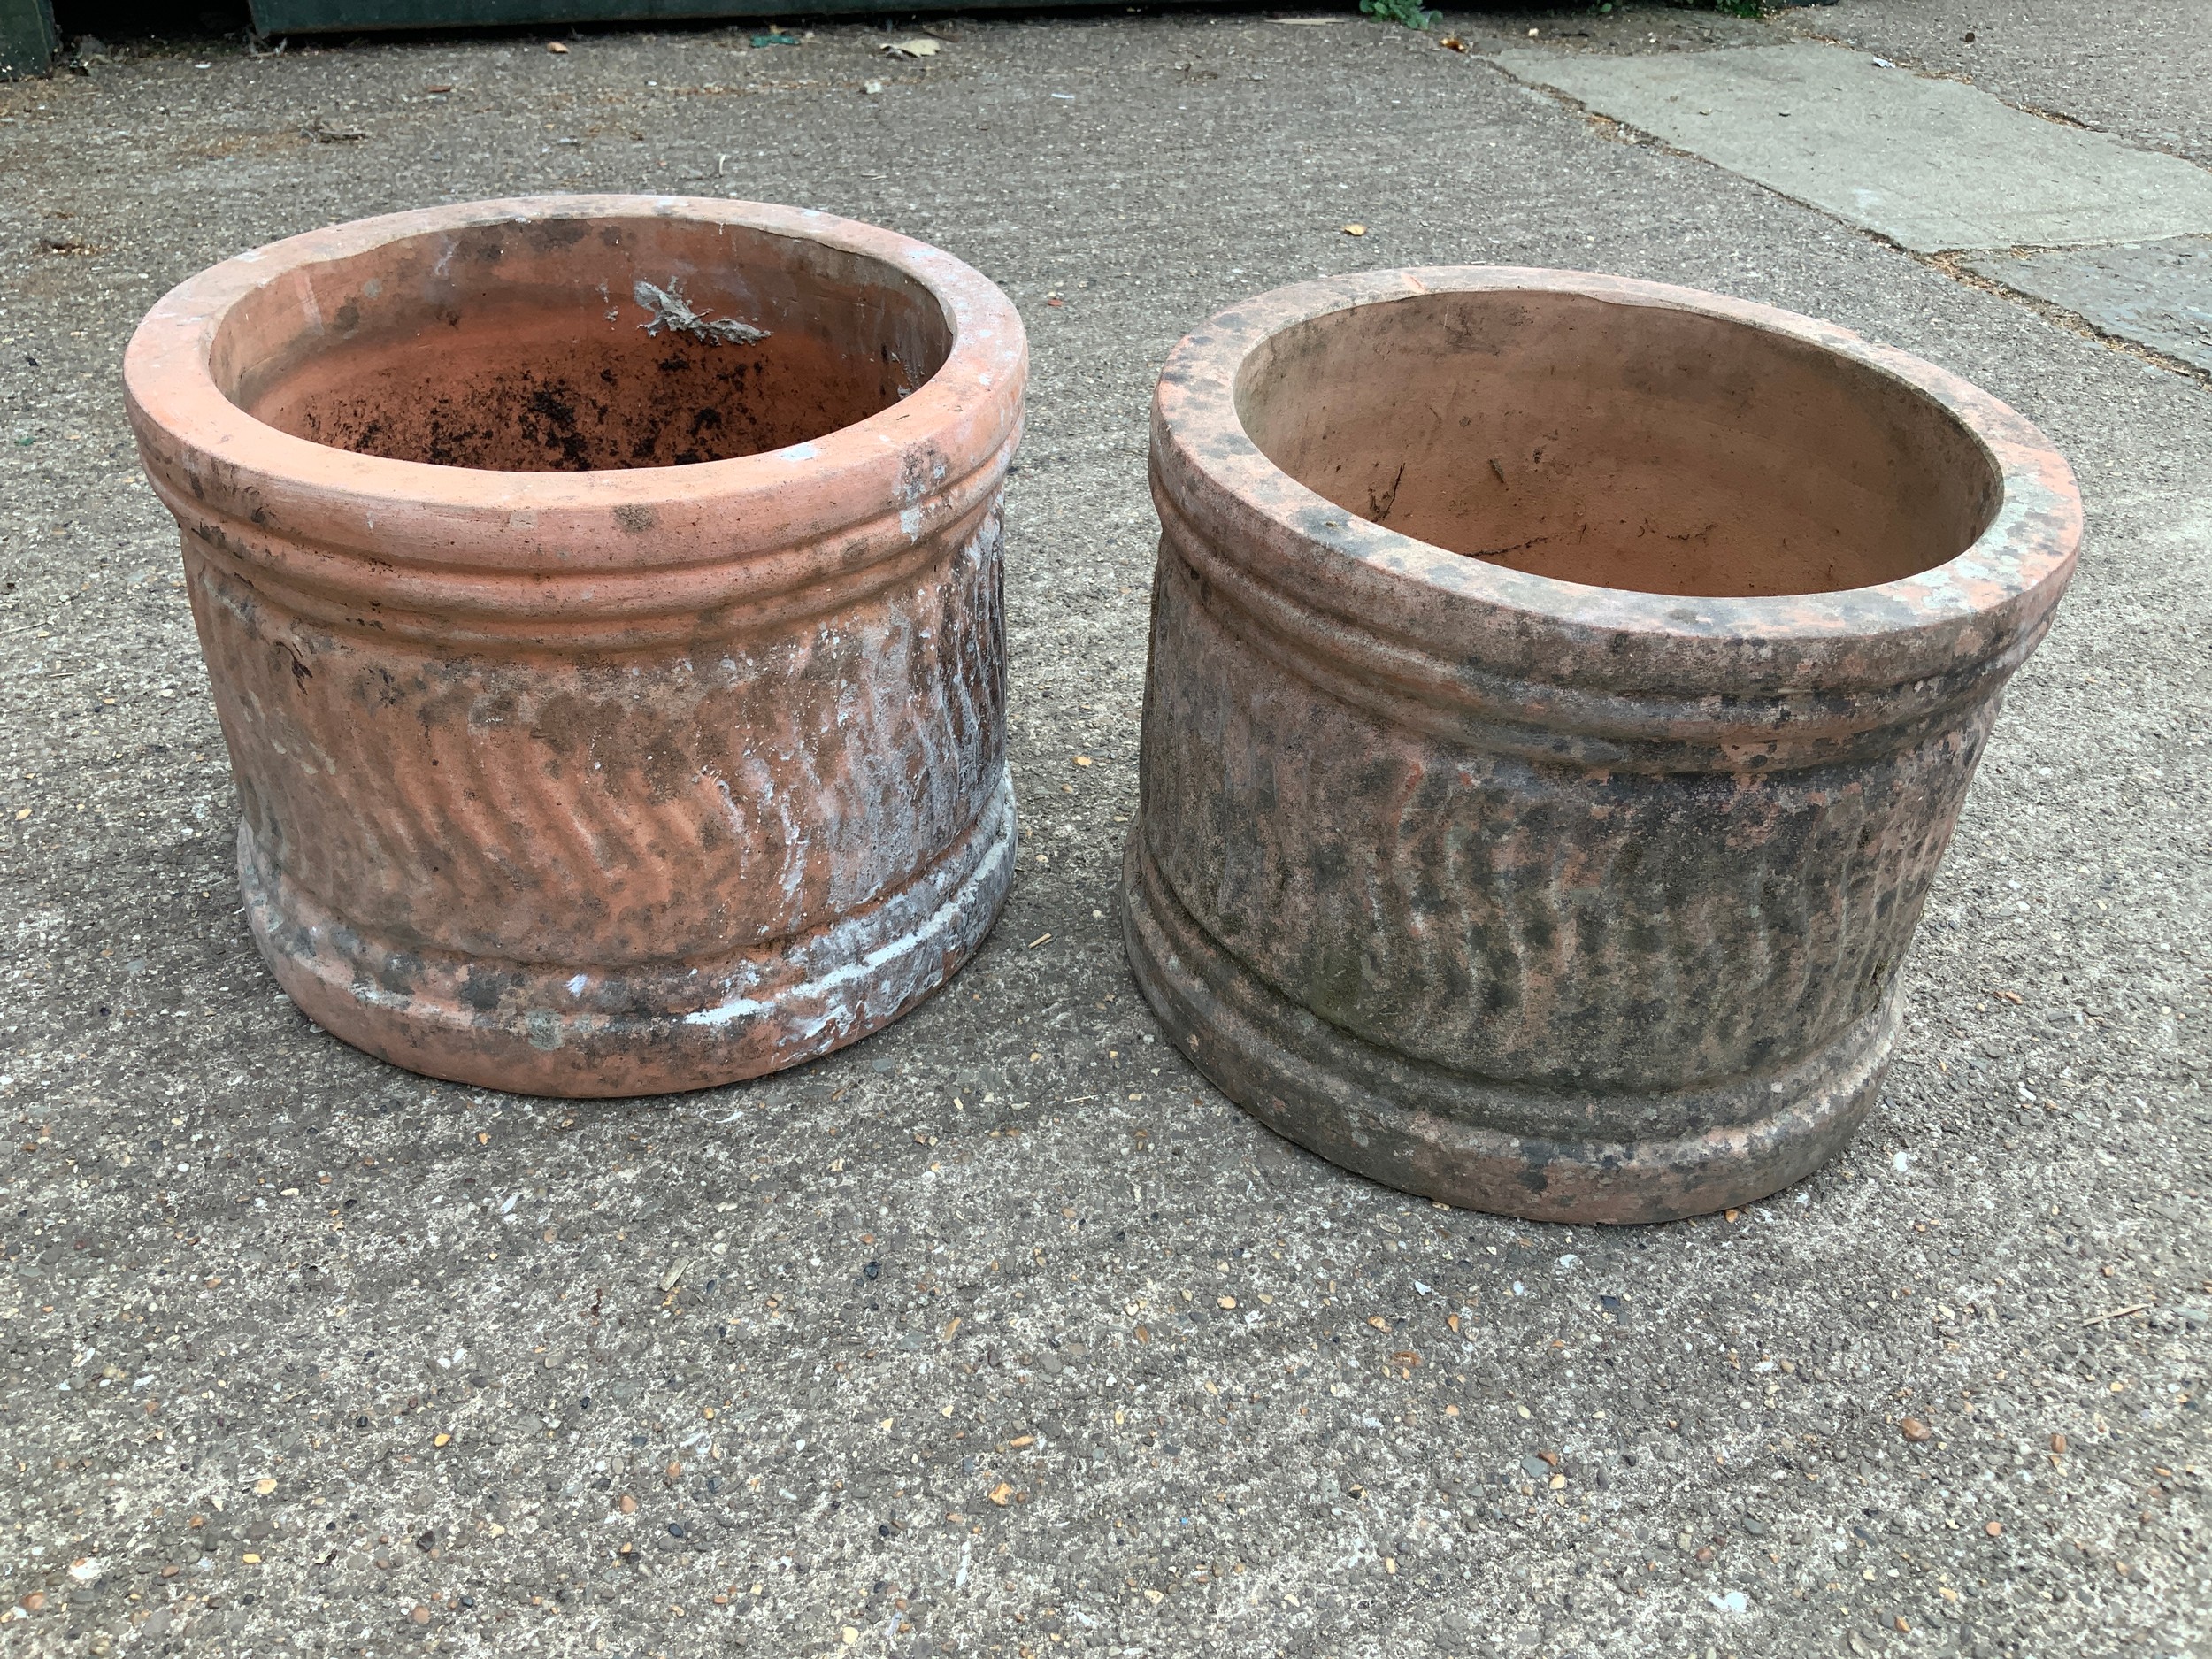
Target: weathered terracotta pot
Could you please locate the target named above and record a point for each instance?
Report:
(615, 694)
(1562, 692)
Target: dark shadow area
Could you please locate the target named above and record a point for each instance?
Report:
(150, 19)
(117, 20)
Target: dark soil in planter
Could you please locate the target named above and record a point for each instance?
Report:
(466, 365)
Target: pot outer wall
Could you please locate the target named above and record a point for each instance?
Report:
(732, 794)
(736, 858)
(1591, 917)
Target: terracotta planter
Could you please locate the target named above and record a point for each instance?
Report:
(615, 692)
(1562, 692)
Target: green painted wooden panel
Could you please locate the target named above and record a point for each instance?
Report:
(310, 17)
(28, 40)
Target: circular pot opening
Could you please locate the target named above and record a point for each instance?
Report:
(582, 344)
(1620, 445)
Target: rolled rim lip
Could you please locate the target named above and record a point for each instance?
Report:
(170, 383)
(2025, 554)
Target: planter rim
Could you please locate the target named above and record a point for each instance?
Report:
(1379, 582)
(186, 422)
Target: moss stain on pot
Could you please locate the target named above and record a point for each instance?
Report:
(1562, 692)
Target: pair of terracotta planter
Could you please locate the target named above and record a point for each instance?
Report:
(1562, 689)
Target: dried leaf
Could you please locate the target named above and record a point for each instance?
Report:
(670, 310)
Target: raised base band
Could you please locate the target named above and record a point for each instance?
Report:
(1424, 1129)
(575, 1030)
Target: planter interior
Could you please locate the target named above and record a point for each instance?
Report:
(1630, 447)
(523, 348)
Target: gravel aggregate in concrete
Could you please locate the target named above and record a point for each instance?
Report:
(1001, 1332)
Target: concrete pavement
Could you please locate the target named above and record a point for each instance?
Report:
(928, 1347)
